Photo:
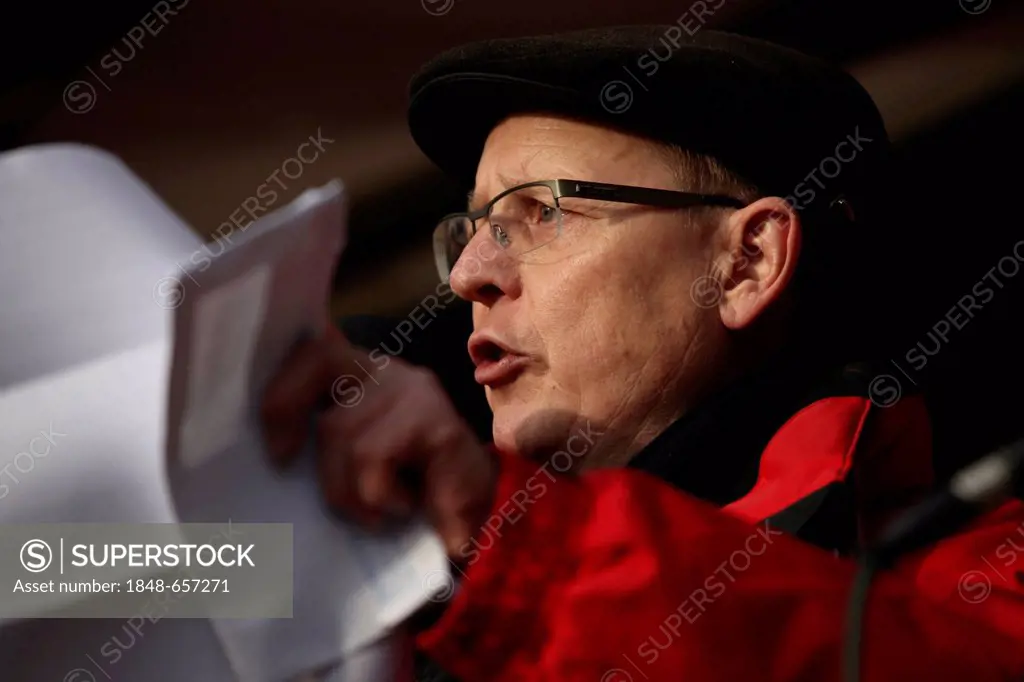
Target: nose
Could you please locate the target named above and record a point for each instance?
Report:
(484, 272)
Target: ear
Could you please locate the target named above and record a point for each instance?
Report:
(756, 260)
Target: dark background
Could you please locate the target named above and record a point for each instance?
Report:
(210, 106)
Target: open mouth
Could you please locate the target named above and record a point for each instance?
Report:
(491, 352)
(496, 364)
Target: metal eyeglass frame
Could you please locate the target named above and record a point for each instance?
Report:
(598, 191)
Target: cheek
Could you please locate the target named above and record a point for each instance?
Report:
(594, 322)
(613, 310)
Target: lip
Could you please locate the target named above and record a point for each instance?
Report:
(494, 371)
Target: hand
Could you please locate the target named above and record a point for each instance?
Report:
(389, 444)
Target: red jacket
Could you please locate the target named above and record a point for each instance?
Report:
(615, 576)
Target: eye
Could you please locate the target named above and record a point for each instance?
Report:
(547, 213)
(538, 210)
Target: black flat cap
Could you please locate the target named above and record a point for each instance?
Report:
(788, 123)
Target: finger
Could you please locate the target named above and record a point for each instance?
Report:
(378, 440)
(348, 362)
(338, 477)
(290, 398)
(455, 473)
(460, 489)
(381, 457)
(297, 389)
(346, 433)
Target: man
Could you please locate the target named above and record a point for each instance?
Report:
(656, 271)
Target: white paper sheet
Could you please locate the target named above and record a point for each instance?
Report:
(86, 251)
(85, 350)
(238, 318)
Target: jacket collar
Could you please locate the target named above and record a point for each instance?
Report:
(713, 452)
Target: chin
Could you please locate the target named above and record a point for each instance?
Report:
(532, 429)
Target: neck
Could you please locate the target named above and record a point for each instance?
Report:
(713, 451)
(684, 394)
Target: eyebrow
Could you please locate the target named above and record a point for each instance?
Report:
(473, 197)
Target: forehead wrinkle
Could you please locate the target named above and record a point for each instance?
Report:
(531, 158)
(532, 151)
(585, 157)
(557, 168)
(476, 199)
(507, 181)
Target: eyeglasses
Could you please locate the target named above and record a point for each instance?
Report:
(524, 218)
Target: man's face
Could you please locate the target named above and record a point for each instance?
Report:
(599, 326)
